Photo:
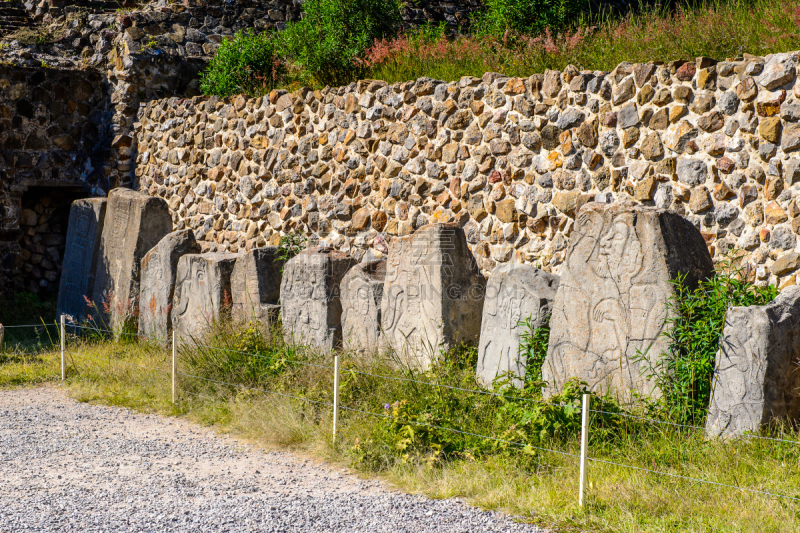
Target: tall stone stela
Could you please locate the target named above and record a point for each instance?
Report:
(134, 223)
(86, 218)
(256, 285)
(432, 295)
(611, 304)
(202, 292)
(311, 307)
(362, 290)
(159, 268)
(514, 293)
(757, 370)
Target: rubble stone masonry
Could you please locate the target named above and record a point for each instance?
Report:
(511, 160)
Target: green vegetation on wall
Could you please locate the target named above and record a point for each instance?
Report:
(341, 41)
(328, 42)
(526, 16)
(248, 64)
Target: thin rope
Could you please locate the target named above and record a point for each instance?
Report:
(462, 432)
(694, 479)
(656, 421)
(254, 389)
(475, 391)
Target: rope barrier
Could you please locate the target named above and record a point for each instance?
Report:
(694, 479)
(475, 391)
(463, 432)
(255, 389)
(656, 421)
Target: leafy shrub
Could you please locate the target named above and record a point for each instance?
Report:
(697, 317)
(533, 347)
(526, 16)
(247, 63)
(333, 34)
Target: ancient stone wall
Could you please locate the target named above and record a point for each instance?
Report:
(509, 159)
(53, 145)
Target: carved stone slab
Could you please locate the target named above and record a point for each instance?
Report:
(611, 301)
(80, 259)
(134, 223)
(256, 285)
(311, 308)
(514, 293)
(757, 375)
(202, 290)
(433, 294)
(159, 268)
(362, 290)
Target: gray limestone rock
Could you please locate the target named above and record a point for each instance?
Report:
(692, 171)
(433, 294)
(514, 293)
(202, 290)
(610, 306)
(362, 290)
(256, 285)
(134, 223)
(728, 103)
(627, 116)
(159, 268)
(311, 308)
(85, 227)
(756, 378)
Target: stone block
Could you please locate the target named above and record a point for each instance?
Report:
(433, 294)
(85, 227)
(159, 268)
(514, 293)
(362, 290)
(256, 285)
(311, 307)
(202, 292)
(134, 223)
(610, 307)
(757, 378)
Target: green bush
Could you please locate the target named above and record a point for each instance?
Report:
(694, 327)
(328, 42)
(533, 347)
(247, 64)
(526, 16)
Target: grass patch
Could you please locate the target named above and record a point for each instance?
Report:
(537, 486)
(717, 29)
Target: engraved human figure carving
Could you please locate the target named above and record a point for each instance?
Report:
(611, 307)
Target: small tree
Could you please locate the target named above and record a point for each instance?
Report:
(333, 34)
(247, 64)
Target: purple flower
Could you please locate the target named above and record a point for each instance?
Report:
(386, 406)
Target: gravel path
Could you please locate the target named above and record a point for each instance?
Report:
(69, 466)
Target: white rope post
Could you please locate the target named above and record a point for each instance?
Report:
(63, 348)
(174, 361)
(584, 447)
(335, 395)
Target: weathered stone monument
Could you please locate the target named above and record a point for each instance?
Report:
(202, 292)
(311, 309)
(362, 290)
(433, 294)
(256, 285)
(757, 376)
(610, 307)
(159, 267)
(134, 223)
(86, 219)
(514, 293)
